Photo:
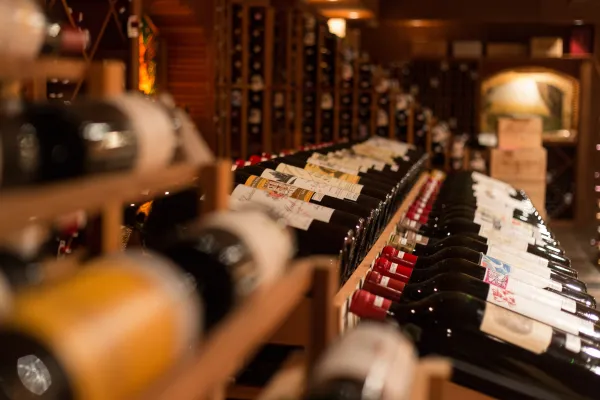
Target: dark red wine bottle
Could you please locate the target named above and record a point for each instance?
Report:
(505, 297)
(476, 257)
(404, 244)
(461, 326)
(494, 273)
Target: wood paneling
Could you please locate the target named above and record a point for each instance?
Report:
(190, 69)
(492, 10)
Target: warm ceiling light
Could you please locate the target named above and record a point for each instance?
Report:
(416, 22)
(337, 26)
(578, 22)
(353, 15)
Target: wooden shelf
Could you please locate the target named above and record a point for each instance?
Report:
(41, 203)
(237, 338)
(60, 68)
(355, 281)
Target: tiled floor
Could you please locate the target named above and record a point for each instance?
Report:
(583, 256)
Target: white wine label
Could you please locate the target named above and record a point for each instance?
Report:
(384, 281)
(538, 266)
(516, 329)
(332, 165)
(284, 204)
(490, 232)
(371, 353)
(525, 255)
(498, 274)
(554, 300)
(320, 178)
(538, 311)
(314, 186)
(243, 195)
(500, 239)
(573, 343)
(318, 196)
(154, 133)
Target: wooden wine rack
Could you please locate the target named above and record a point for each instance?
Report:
(207, 373)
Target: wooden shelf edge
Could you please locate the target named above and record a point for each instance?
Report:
(59, 68)
(355, 280)
(20, 207)
(223, 353)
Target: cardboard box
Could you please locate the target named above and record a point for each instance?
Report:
(546, 47)
(429, 49)
(519, 133)
(522, 165)
(506, 50)
(467, 49)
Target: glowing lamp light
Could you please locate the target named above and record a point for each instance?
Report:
(337, 26)
(353, 15)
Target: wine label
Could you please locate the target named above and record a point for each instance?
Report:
(324, 161)
(334, 173)
(554, 300)
(417, 238)
(536, 267)
(516, 329)
(320, 178)
(490, 232)
(317, 187)
(373, 354)
(410, 224)
(524, 255)
(283, 205)
(25, 28)
(270, 245)
(154, 132)
(498, 274)
(402, 243)
(497, 238)
(539, 311)
(280, 188)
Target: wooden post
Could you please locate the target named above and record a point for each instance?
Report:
(245, 81)
(106, 78)
(135, 11)
(324, 320)
(267, 132)
(337, 104)
(216, 181)
(410, 124)
(391, 116)
(111, 219)
(298, 130)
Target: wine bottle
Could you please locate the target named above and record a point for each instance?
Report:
(27, 33)
(48, 142)
(229, 255)
(346, 368)
(312, 234)
(133, 292)
(493, 250)
(505, 297)
(461, 326)
(489, 270)
(561, 273)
